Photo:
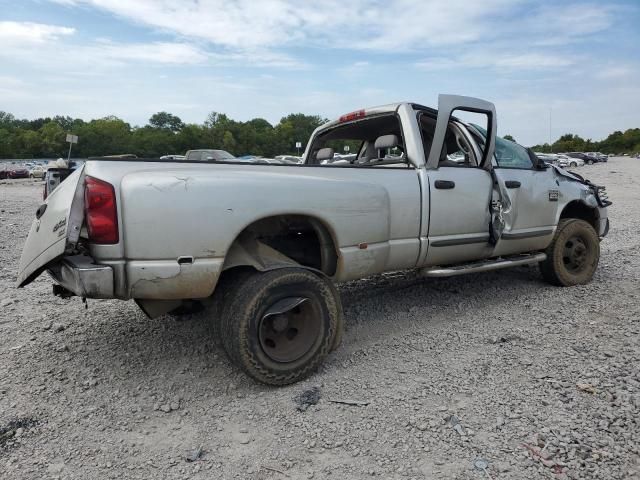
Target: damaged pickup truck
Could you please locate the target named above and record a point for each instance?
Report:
(266, 243)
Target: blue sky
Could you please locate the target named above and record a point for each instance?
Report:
(579, 60)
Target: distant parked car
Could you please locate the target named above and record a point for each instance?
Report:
(208, 155)
(172, 157)
(583, 156)
(37, 171)
(288, 158)
(20, 172)
(567, 161)
(597, 157)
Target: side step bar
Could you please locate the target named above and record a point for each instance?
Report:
(484, 266)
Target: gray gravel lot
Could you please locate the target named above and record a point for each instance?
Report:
(541, 382)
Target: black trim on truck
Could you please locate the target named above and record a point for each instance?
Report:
(452, 242)
(521, 235)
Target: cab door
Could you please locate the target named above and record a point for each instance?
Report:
(461, 193)
(533, 191)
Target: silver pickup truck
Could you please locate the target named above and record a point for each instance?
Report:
(266, 243)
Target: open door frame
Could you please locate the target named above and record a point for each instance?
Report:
(446, 106)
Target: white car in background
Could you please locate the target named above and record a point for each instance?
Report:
(37, 171)
(567, 161)
(288, 158)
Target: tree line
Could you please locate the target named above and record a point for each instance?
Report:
(166, 133)
(617, 142)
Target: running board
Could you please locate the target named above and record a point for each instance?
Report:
(484, 266)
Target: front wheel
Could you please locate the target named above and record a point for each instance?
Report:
(573, 256)
(589, 162)
(279, 325)
(573, 164)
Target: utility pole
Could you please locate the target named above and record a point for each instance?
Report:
(550, 136)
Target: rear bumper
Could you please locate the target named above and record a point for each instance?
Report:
(84, 278)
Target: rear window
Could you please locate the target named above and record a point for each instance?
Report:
(374, 141)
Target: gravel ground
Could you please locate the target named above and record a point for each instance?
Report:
(539, 381)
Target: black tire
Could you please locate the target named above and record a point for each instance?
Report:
(279, 349)
(573, 256)
(589, 162)
(573, 164)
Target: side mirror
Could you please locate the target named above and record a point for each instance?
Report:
(537, 163)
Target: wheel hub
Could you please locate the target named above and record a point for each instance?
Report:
(289, 328)
(575, 254)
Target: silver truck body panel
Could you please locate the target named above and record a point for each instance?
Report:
(371, 206)
(178, 221)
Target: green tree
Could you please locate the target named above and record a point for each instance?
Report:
(6, 140)
(152, 142)
(105, 136)
(296, 127)
(67, 123)
(569, 143)
(7, 120)
(191, 136)
(166, 121)
(52, 138)
(228, 142)
(509, 137)
(28, 144)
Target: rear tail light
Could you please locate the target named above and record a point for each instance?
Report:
(101, 213)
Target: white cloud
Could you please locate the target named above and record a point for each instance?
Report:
(568, 23)
(157, 52)
(361, 24)
(21, 33)
(497, 61)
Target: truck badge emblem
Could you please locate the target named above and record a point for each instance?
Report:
(59, 225)
(553, 195)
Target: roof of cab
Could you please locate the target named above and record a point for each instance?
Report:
(379, 109)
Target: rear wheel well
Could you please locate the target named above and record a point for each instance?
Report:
(577, 209)
(304, 239)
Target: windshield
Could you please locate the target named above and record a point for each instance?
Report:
(222, 155)
(508, 154)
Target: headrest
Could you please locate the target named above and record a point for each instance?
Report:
(386, 141)
(324, 154)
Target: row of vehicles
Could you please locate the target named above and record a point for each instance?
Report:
(209, 155)
(27, 170)
(572, 159)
